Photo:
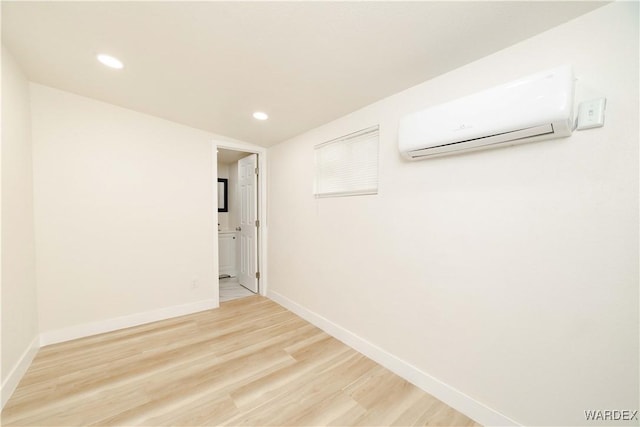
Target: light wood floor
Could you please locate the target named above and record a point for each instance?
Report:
(251, 362)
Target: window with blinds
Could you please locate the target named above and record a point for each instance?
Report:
(348, 166)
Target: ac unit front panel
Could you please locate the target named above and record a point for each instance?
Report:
(544, 99)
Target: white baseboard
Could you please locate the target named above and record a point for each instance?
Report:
(449, 395)
(11, 382)
(114, 324)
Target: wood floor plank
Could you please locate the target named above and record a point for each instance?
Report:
(250, 362)
(418, 412)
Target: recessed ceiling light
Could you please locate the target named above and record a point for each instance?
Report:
(260, 115)
(110, 61)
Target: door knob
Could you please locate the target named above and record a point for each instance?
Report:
(238, 229)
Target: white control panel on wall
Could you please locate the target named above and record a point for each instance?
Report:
(591, 114)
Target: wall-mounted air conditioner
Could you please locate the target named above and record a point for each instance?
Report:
(530, 109)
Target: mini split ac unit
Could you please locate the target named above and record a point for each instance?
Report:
(530, 109)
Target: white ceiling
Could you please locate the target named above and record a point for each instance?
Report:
(230, 156)
(210, 65)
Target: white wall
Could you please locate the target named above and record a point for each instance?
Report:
(19, 303)
(124, 215)
(510, 275)
(231, 219)
(223, 217)
(234, 197)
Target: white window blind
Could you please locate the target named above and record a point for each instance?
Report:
(348, 165)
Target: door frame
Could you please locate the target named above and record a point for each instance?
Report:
(262, 206)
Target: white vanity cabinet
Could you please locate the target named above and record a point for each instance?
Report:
(227, 253)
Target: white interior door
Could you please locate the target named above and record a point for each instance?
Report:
(248, 182)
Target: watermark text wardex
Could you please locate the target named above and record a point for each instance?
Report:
(611, 415)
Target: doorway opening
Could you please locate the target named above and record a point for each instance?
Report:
(238, 224)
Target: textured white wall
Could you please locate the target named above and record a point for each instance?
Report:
(231, 219)
(19, 302)
(510, 275)
(234, 197)
(124, 211)
(223, 217)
